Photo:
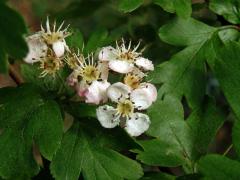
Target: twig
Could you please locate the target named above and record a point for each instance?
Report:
(15, 75)
(227, 150)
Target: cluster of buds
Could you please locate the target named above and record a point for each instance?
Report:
(129, 97)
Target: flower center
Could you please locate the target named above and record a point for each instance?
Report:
(90, 73)
(132, 81)
(53, 37)
(125, 108)
(50, 65)
(127, 56)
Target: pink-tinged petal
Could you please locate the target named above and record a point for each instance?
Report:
(107, 54)
(144, 63)
(140, 99)
(37, 49)
(151, 90)
(97, 92)
(104, 70)
(72, 79)
(59, 48)
(106, 116)
(121, 66)
(118, 91)
(137, 124)
(82, 88)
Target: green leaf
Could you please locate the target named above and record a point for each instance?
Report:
(227, 71)
(184, 75)
(190, 177)
(31, 74)
(3, 61)
(229, 35)
(129, 5)
(204, 123)
(157, 152)
(26, 119)
(80, 110)
(16, 155)
(46, 127)
(154, 176)
(11, 35)
(173, 146)
(76, 40)
(185, 32)
(179, 142)
(80, 152)
(229, 9)
(167, 5)
(236, 136)
(183, 8)
(96, 40)
(219, 167)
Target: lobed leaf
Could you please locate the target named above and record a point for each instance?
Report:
(129, 5)
(11, 35)
(229, 9)
(219, 167)
(26, 119)
(81, 152)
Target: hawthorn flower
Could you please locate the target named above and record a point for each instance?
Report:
(88, 79)
(123, 59)
(139, 88)
(128, 102)
(55, 37)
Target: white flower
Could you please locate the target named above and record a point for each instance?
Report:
(134, 123)
(90, 77)
(140, 90)
(123, 60)
(55, 38)
(37, 49)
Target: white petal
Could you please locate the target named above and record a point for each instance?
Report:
(82, 88)
(59, 48)
(118, 91)
(106, 116)
(103, 68)
(37, 49)
(121, 66)
(97, 92)
(150, 90)
(107, 54)
(138, 124)
(140, 99)
(144, 63)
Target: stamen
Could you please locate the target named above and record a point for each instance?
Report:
(61, 25)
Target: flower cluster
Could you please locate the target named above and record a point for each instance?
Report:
(129, 97)
(48, 47)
